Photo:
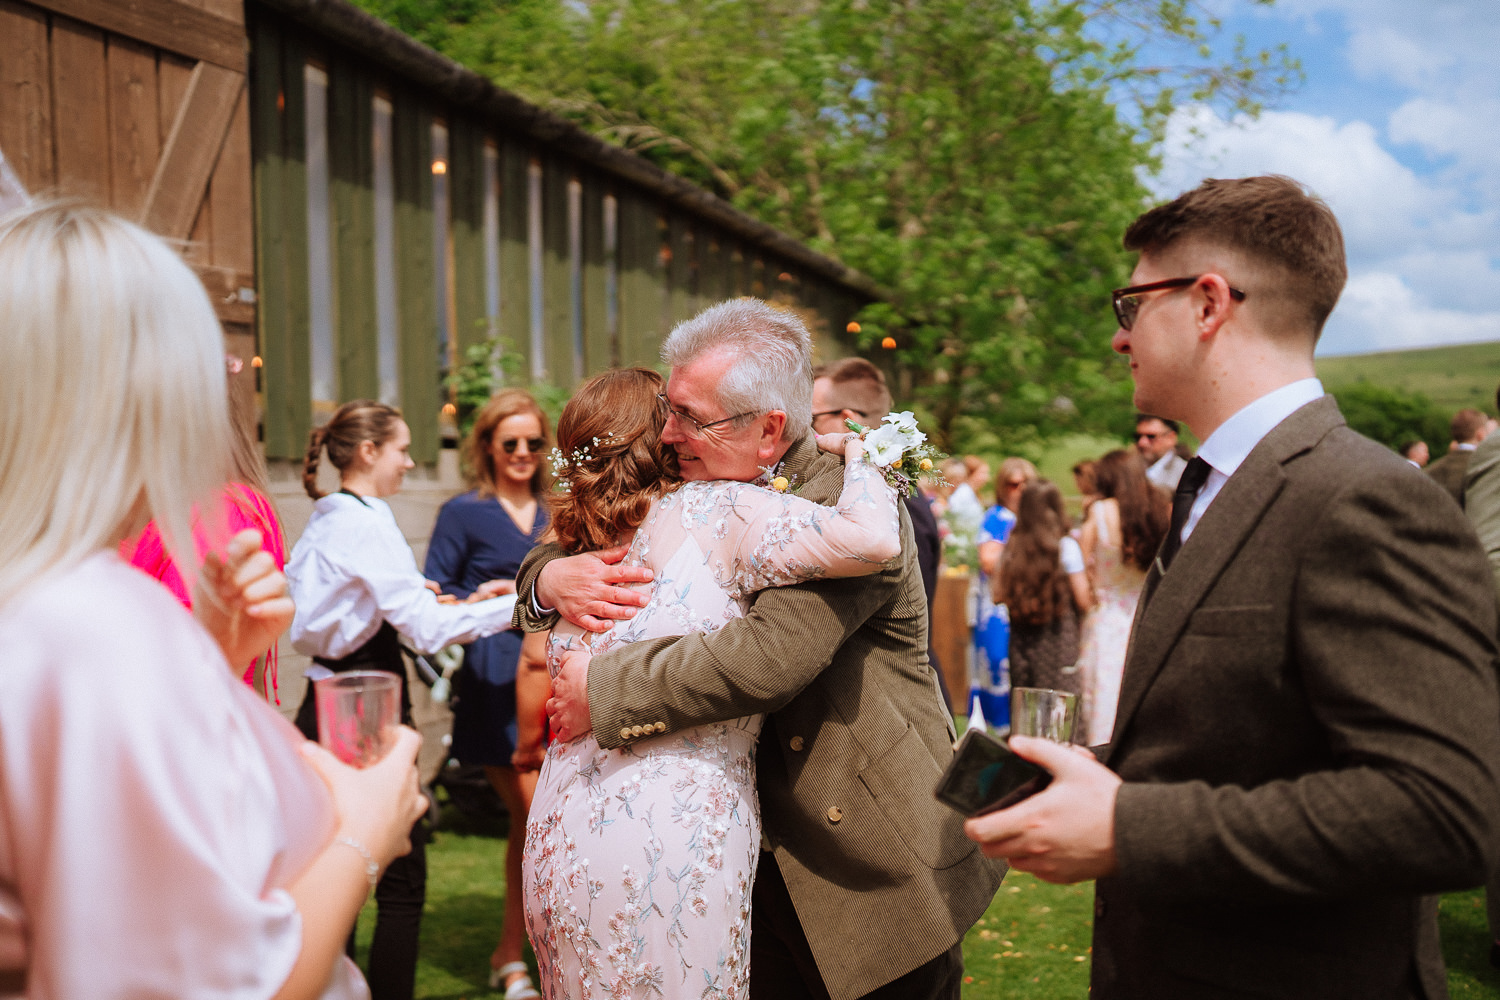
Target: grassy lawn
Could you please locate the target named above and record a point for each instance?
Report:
(1031, 945)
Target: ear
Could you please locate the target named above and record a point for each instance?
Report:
(773, 423)
(1213, 304)
(366, 453)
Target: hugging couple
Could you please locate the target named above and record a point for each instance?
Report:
(748, 727)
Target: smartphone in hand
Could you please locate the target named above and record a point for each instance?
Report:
(985, 776)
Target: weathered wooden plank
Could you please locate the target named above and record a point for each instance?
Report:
(600, 349)
(466, 187)
(278, 145)
(80, 103)
(515, 293)
(556, 278)
(682, 272)
(230, 195)
(164, 24)
(642, 290)
(232, 9)
(713, 270)
(351, 190)
(25, 95)
(173, 74)
(192, 150)
(417, 301)
(134, 138)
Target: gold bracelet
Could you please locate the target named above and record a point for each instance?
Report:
(372, 870)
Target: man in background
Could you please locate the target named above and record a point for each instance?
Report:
(1156, 440)
(1416, 452)
(1469, 428)
(854, 389)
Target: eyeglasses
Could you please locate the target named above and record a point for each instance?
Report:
(533, 445)
(1148, 437)
(690, 426)
(1127, 301)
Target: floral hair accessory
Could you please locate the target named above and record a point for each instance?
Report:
(563, 465)
(900, 450)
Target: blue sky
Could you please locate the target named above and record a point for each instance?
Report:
(1398, 128)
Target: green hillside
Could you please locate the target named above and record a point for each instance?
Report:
(1452, 377)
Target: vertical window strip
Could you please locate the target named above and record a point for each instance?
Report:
(387, 353)
(612, 276)
(575, 271)
(325, 391)
(534, 271)
(492, 241)
(441, 248)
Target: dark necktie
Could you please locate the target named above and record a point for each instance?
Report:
(1193, 478)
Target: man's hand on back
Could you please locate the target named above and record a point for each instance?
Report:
(587, 589)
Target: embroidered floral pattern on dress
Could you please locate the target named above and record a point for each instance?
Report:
(640, 861)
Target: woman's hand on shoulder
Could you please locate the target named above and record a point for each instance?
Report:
(845, 443)
(241, 599)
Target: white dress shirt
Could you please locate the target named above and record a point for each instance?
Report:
(1167, 470)
(352, 570)
(1227, 448)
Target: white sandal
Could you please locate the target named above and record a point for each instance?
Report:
(521, 989)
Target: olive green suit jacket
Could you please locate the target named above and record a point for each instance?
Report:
(1482, 499)
(855, 738)
(1309, 733)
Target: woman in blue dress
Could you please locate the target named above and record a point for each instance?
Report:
(480, 539)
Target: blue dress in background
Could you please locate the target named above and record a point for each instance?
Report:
(475, 540)
(991, 681)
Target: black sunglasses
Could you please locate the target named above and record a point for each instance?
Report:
(1127, 301)
(533, 445)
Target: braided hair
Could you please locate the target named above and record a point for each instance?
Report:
(354, 422)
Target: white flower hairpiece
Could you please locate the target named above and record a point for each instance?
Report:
(564, 464)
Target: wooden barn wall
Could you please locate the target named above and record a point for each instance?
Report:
(141, 107)
(592, 271)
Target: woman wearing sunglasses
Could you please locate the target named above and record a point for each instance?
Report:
(482, 536)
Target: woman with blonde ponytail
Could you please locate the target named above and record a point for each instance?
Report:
(166, 832)
(359, 596)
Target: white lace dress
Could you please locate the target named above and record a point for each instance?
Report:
(639, 861)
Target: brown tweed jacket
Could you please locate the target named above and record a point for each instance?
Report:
(882, 876)
(1309, 732)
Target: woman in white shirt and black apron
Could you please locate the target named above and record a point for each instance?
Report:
(359, 596)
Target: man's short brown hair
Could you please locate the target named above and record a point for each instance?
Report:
(857, 385)
(1467, 424)
(1271, 219)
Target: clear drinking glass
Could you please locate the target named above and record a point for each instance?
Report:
(358, 713)
(1044, 712)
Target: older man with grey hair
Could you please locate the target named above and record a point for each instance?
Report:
(865, 884)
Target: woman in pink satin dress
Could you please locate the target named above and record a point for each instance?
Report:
(163, 831)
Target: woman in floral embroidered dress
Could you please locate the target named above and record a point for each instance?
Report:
(639, 862)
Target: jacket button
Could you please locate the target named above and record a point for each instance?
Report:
(625, 733)
(1099, 909)
(835, 814)
(795, 743)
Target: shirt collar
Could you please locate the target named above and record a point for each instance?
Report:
(1228, 447)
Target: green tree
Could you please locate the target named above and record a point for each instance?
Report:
(979, 158)
(1393, 416)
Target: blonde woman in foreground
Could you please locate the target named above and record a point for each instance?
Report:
(163, 832)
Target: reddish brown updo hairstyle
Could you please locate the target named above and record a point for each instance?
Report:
(360, 420)
(479, 463)
(614, 463)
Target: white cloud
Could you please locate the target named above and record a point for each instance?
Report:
(1380, 312)
(1420, 274)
